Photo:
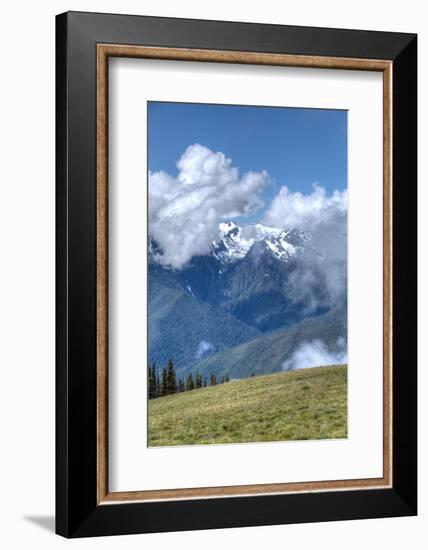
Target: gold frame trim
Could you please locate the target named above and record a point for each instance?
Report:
(104, 51)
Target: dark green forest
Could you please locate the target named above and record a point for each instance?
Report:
(164, 381)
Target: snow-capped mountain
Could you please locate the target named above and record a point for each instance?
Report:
(246, 273)
(235, 242)
(241, 289)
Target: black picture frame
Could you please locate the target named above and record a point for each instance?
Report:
(77, 511)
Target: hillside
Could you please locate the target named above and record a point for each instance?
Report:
(184, 328)
(268, 352)
(305, 404)
(248, 304)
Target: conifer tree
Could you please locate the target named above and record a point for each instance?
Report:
(152, 382)
(227, 378)
(170, 378)
(164, 386)
(181, 385)
(205, 382)
(190, 385)
(157, 384)
(213, 379)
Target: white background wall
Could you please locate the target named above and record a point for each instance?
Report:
(27, 272)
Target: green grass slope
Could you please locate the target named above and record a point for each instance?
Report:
(304, 404)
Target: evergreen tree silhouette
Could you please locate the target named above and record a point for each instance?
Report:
(170, 378)
(151, 382)
(190, 385)
(164, 386)
(157, 384)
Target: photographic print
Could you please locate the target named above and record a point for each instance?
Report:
(222, 304)
(247, 274)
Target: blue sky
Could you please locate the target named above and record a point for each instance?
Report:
(297, 147)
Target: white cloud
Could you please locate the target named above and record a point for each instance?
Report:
(316, 354)
(184, 212)
(307, 212)
(319, 280)
(204, 348)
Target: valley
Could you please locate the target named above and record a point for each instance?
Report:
(236, 310)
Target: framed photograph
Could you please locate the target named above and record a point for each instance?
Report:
(236, 274)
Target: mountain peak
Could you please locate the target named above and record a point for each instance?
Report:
(235, 242)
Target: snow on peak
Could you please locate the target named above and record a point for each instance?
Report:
(235, 242)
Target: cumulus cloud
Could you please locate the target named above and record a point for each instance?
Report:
(319, 280)
(307, 212)
(204, 348)
(184, 211)
(316, 354)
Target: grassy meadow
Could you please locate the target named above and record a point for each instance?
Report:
(297, 405)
